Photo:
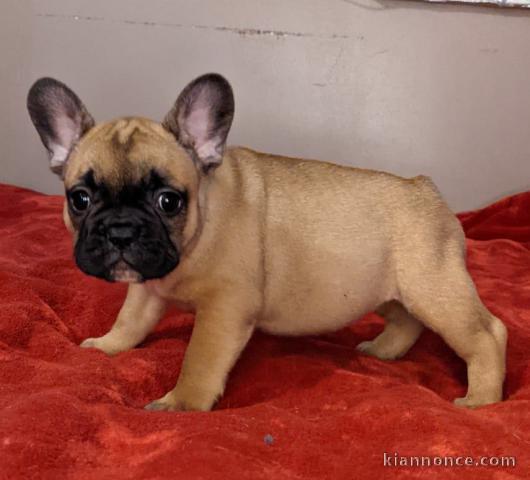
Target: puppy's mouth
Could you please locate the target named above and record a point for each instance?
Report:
(123, 272)
(127, 266)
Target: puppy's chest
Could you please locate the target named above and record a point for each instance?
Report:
(180, 296)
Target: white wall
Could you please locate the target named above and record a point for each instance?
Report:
(401, 86)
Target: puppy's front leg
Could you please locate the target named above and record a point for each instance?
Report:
(138, 316)
(220, 333)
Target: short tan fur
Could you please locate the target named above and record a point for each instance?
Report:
(293, 247)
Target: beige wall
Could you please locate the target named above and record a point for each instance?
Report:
(406, 87)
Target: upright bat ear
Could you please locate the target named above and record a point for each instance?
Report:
(201, 118)
(60, 118)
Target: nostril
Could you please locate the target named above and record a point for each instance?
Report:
(121, 236)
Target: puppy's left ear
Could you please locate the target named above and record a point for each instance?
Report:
(60, 118)
(201, 118)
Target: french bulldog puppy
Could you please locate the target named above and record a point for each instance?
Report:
(249, 240)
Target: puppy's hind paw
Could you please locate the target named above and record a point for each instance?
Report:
(370, 348)
(88, 343)
(365, 347)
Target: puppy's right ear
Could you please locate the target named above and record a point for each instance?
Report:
(60, 118)
(201, 118)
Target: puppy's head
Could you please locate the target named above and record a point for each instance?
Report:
(132, 185)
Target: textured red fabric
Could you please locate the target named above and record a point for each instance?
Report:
(297, 408)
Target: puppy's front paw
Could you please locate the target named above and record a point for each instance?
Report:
(105, 344)
(181, 400)
(474, 401)
(464, 402)
(164, 404)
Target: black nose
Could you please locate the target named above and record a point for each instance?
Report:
(122, 235)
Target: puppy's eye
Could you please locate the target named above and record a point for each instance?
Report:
(80, 200)
(170, 203)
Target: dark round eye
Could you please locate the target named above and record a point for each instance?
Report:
(170, 203)
(80, 200)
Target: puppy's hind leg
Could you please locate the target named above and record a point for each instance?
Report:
(400, 333)
(444, 298)
(138, 316)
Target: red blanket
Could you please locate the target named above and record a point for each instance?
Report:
(299, 408)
